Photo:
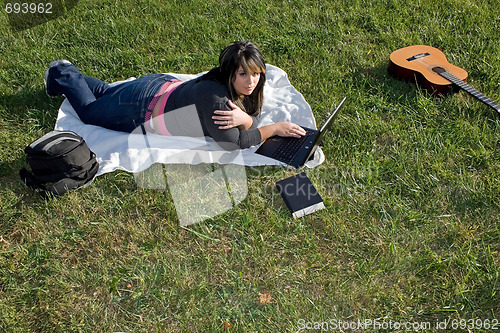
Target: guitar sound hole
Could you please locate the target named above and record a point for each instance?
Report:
(438, 69)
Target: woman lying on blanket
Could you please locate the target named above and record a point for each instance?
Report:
(222, 104)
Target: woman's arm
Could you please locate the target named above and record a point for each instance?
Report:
(234, 138)
(227, 119)
(238, 118)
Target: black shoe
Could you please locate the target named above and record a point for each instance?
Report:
(53, 64)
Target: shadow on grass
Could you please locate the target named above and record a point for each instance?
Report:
(32, 113)
(31, 109)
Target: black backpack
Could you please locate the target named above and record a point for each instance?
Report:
(59, 161)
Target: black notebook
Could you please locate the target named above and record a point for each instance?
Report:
(300, 195)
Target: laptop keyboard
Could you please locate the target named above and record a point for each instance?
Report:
(289, 147)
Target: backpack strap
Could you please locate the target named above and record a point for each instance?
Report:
(67, 184)
(30, 180)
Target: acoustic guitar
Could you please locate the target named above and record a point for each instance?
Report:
(430, 68)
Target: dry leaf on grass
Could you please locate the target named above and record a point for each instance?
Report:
(265, 298)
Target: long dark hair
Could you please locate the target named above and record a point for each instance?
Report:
(245, 55)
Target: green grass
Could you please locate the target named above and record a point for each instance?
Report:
(410, 232)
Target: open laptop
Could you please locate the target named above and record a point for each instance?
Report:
(297, 151)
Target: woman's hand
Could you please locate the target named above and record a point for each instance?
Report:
(289, 129)
(281, 129)
(235, 117)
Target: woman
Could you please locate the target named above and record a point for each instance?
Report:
(226, 100)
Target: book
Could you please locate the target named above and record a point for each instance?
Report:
(300, 195)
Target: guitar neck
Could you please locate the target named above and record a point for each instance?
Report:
(470, 90)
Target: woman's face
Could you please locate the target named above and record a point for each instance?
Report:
(244, 83)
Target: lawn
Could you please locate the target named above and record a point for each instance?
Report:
(409, 239)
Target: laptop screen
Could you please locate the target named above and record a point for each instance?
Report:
(328, 123)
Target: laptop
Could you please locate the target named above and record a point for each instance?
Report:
(297, 151)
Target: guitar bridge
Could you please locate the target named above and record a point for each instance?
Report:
(418, 56)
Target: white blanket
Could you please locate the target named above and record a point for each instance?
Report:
(136, 152)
